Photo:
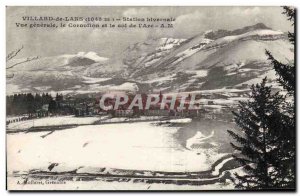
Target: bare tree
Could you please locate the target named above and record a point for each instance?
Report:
(14, 53)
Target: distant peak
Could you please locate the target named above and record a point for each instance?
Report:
(253, 27)
(222, 33)
(91, 55)
(260, 26)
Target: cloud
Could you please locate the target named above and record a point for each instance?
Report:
(251, 11)
(131, 12)
(197, 15)
(214, 18)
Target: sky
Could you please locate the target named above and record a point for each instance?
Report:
(189, 21)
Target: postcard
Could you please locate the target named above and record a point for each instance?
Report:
(150, 98)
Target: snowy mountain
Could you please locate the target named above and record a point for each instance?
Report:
(66, 73)
(211, 60)
(217, 59)
(145, 54)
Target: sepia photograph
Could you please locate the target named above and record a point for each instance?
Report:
(150, 98)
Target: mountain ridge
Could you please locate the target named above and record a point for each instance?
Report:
(209, 60)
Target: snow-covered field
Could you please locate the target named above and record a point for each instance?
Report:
(145, 147)
(51, 121)
(136, 146)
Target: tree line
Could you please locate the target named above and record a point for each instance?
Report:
(28, 103)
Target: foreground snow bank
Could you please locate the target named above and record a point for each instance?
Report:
(132, 146)
(52, 121)
(180, 120)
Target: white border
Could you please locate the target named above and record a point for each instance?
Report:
(154, 2)
(3, 3)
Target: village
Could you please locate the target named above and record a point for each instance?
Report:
(210, 105)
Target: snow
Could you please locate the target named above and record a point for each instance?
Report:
(263, 32)
(127, 86)
(51, 121)
(15, 117)
(271, 75)
(216, 170)
(130, 86)
(227, 39)
(124, 119)
(219, 107)
(199, 73)
(236, 99)
(198, 138)
(123, 146)
(169, 43)
(149, 63)
(76, 87)
(232, 73)
(223, 101)
(190, 51)
(182, 120)
(92, 56)
(224, 90)
(247, 69)
(96, 88)
(217, 101)
(117, 119)
(220, 90)
(161, 79)
(43, 88)
(90, 80)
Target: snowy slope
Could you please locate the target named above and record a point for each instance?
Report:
(76, 73)
(211, 60)
(233, 59)
(143, 55)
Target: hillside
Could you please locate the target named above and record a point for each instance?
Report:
(211, 60)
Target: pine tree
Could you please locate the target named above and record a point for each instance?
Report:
(256, 142)
(52, 106)
(267, 121)
(291, 14)
(286, 72)
(286, 147)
